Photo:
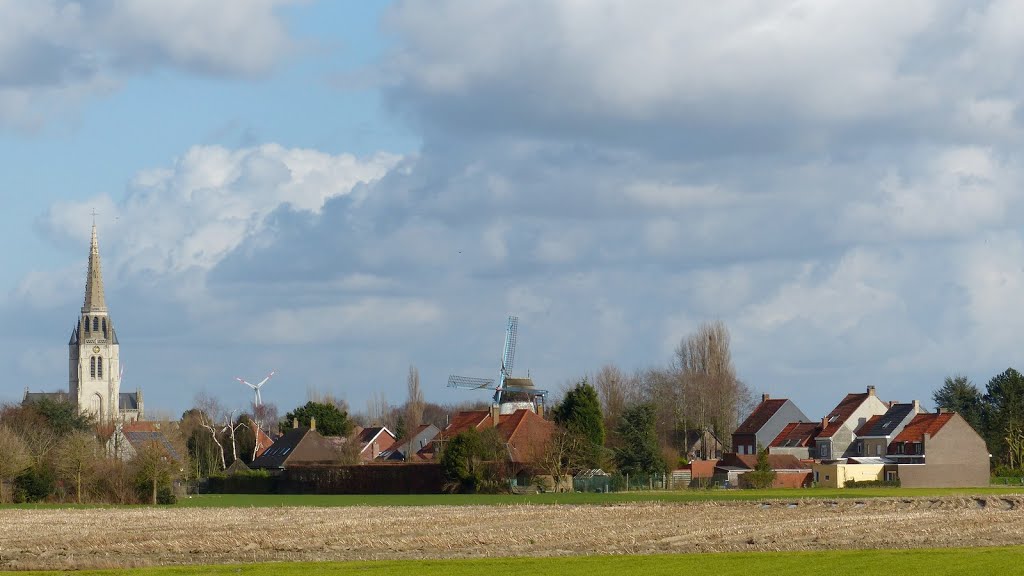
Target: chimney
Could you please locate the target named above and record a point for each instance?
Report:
(540, 409)
(495, 414)
(871, 390)
(765, 397)
(312, 423)
(917, 407)
(824, 422)
(295, 423)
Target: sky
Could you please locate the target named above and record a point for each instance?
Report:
(339, 190)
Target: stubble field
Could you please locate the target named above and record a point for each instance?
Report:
(58, 539)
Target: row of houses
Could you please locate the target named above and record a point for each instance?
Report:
(861, 439)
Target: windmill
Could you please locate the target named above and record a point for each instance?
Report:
(506, 383)
(256, 387)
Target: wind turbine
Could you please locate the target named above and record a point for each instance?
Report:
(256, 387)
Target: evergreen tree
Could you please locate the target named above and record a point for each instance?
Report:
(639, 453)
(1004, 410)
(330, 420)
(961, 396)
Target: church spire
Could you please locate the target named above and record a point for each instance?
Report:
(94, 298)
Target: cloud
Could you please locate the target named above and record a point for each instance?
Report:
(55, 53)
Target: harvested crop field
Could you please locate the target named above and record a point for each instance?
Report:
(124, 537)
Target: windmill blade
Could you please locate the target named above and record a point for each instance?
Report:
(264, 381)
(508, 356)
(249, 384)
(470, 382)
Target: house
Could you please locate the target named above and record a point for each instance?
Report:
(790, 472)
(701, 444)
(836, 473)
(300, 445)
(796, 439)
(523, 431)
(874, 437)
(406, 449)
(765, 423)
(372, 441)
(939, 449)
(836, 437)
(131, 438)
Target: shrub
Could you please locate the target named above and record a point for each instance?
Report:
(873, 483)
(165, 495)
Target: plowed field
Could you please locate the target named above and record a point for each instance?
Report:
(125, 537)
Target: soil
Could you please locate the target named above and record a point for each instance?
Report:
(130, 537)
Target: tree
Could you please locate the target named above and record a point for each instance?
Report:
(77, 458)
(763, 476)
(616, 392)
(474, 461)
(330, 420)
(207, 414)
(639, 452)
(16, 457)
(62, 416)
(960, 395)
(413, 416)
(155, 470)
(580, 413)
(1004, 410)
(563, 454)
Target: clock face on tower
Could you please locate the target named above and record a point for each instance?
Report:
(95, 349)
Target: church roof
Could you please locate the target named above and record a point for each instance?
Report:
(95, 301)
(128, 401)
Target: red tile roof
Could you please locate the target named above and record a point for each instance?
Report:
(760, 416)
(922, 424)
(523, 430)
(776, 461)
(796, 434)
(868, 425)
(838, 416)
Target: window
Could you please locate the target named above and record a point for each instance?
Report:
(95, 323)
(878, 449)
(92, 367)
(860, 448)
(86, 324)
(890, 475)
(917, 448)
(826, 476)
(99, 367)
(104, 327)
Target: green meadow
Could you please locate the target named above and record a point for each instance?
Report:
(226, 500)
(923, 562)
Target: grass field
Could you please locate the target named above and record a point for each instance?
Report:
(678, 496)
(923, 562)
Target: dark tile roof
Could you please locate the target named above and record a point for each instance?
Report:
(760, 416)
(928, 423)
(277, 454)
(37, 396)
(881, 426)
(140, 438)
(128, 401)
(838, 416)
(796, 434)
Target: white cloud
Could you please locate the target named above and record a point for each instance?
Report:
(55, 53)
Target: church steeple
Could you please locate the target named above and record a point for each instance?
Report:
(94, 298)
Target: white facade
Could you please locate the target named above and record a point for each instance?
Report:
(94, 363)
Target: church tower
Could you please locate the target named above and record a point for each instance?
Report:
(94, 355)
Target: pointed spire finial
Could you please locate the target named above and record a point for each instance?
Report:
(94, 297)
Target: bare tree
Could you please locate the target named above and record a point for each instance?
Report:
(16, 457)
(77, 458)
(377, 409)
(414, 405)
(208, 413)
(563, 453)
(154, 467)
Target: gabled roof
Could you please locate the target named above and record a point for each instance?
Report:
(277, 454)
(760, 416)
(54, 396)
(413, 442)
(523, 431)
(886, 424)
(841, 413)
(371, 434)
(128, 401)
(929, 423)
(796, 434)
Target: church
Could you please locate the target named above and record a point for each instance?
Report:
(94, 357)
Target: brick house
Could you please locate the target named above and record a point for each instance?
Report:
(796, 439)
(836, 437)
(874, 437)
(765, 423)
(300, 445)
(939, 449)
